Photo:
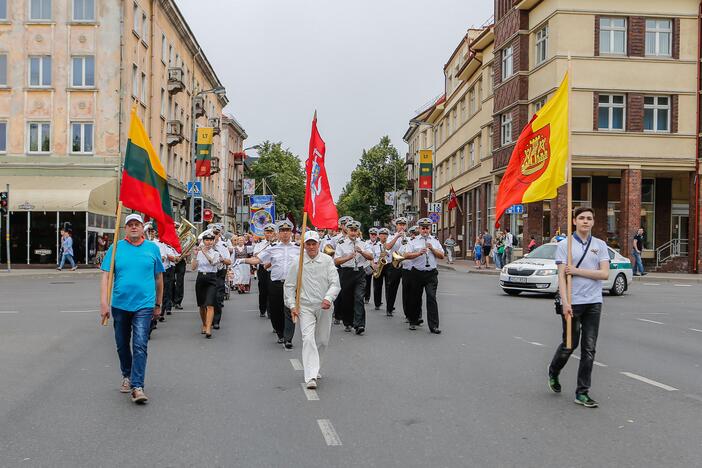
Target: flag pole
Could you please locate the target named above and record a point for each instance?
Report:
(111, 274)
(300, 264)
(569, 198)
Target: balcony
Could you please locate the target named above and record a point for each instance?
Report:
(175, 80)
(174, 132)
(214, 123)
(199, 103)
(238, 158)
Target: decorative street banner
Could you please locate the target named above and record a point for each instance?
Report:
(203, 156)
(262, 212)
(425, 170)
(390, 198)
(249, 186)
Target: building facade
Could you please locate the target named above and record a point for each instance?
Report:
(231, 195)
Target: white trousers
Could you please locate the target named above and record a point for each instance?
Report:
(315, 326)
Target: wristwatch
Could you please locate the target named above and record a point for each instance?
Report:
(157, 305)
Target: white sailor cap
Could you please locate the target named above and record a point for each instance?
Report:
(284, 224)
(385, 231)
(373, 230)
(424, 222)
(353, 225)
(269, 227)
(401, 220)
(207, 234)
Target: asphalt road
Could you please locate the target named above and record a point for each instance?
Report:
(474, 396)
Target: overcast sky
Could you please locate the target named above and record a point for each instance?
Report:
(366, 66)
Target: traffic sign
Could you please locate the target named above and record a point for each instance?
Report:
(435, 207)
(434, 217)
(515, 209)
(434, 228)
(195, 189)
(376, 223)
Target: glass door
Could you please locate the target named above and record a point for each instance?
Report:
(680, 231)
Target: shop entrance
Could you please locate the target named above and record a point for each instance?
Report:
(43, 238)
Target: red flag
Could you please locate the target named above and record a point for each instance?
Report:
(453, 200)
(319, 204)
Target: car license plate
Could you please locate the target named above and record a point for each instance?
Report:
(518, 279)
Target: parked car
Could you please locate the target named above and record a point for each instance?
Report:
(537, 272)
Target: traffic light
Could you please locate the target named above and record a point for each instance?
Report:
(197, 215)
(3, 203)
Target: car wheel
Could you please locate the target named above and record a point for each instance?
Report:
(513, 292)
(619, 285)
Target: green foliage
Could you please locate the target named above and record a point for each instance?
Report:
(374, 175)
(285, 177)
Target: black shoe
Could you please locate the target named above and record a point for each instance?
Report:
(179, 307)
(435, 331)
(585, 400)
(288, 345)
(215, 326)
(347, 328)
(162, 319)
(643, 273)
(420, 321)
(337, 321)
(360, 330)
(281, 341)
(168, 312)
(377, 307)
(412, 326)
(389, 314)
(554, 384)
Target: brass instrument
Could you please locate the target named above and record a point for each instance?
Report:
(329, 250)
(397, 259)
(382, 261)
(187, 238)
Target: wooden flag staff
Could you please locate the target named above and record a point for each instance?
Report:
(301, 262)
(111, 274)
(569, 230)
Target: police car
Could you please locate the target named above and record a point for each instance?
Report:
(537, 272)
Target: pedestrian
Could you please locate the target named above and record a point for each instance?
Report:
(319, 287)
(478, 253)
(591, 267)
(264, 275)
(372, 241)
(636, 250)
(499, 250)
(422, 253)
(136, 297)
(224, 251)
(487, 247)
(101, 249)
(509, 243)
(450, 245)
(395, 275)
(379, 251)
(532, 244)
(242, 272)
(206, 261)
(67, 250)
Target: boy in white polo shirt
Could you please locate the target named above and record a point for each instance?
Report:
(590, 267)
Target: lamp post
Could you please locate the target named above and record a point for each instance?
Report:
(219, 91)
(241, 217)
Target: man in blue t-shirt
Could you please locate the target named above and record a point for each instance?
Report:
(136, 298)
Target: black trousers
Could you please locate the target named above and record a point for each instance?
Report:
(264, 276)
(167, 301)
(338, 313)
(585, 327)
(178, 283)
(221, 276)
(280, 315)
(378, 287)
(406, 276)
(393, 276)
(367, 289)
(424, 282)
(353, 284)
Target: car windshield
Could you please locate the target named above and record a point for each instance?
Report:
(547, 251)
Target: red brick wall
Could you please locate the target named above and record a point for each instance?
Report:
(534, 222)
(636, 35)
(674, 114)
(634, 112)
(676, 38)
(559, 211)
(597, 35)
(599, 204)
(630, 216)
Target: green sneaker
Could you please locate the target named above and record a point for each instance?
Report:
(585, 400)
(554, 384)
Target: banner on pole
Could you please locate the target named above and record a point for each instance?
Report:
(249, 186)
(262, 212)
(426, 170)
(390, 198)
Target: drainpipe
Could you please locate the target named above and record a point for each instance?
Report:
(696, 217)
(121, 101)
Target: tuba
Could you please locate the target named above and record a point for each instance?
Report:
(187, 238)
(397, 259)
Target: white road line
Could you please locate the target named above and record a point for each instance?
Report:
(77, 311)
(652, 284)
(309, 393)
(535, 343)
(9, 311)
(328, 431)
(597, 363)
(297, 365)
(695, 329)
(649, 381)
(683, 285)
(650, 321)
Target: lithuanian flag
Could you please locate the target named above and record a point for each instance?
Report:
(538, 163)
(145, 183)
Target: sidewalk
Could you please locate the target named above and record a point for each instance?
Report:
(16, 272)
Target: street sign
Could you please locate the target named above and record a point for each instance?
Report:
(434, 207)
(434, 217)
(195, 189)
(434, 228)
(376, 223)
(515, 209)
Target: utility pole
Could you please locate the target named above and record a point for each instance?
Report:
(7, 228)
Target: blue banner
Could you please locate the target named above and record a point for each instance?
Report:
(262, 212)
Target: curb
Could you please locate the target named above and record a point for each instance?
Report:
(42, 273)
(474, 272)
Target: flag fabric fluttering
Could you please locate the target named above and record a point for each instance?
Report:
(453, 200)
(319, 203)
(538, 163)
(144, 185)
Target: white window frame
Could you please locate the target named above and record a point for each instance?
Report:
(3, 11)
(135, 81)
(611, 105)
(42, 16)
(658, 32)
(163, 103)
(506, 129)
(40, 134)
(83, 68)
(3, 135)
(143, 88)
(655, 107)
(137, 16)
(3, 76)
(490, 137)
(541, 43)
(83, 20)
(612, 30)
(471, 101)
(41, 71)
(144, 27)
(507, 62)
(164, 48)
(462, 157)
(539, 104)
(82, 125)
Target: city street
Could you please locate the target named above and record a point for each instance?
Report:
(475, 395)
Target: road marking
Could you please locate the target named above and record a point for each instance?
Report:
(297, 365)
(310, 393)
(650, 321)
(682, 285)
(328, 431)
(597, 363)
(652, 284)
(649, 381)
(695, 329)
(77, 311)
(9, 311)
(535, 343)
(694, 397)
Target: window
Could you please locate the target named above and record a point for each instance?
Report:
(471, 153)
(656, 113)
(39, 137)
(3, 137)
(40, 10)
(648, 211)
(81, 137)
(40, 71)
(541, 45)
(659, 36)
(144, 27)
(448, 124)
(454, 116)
(163, 102)
(3, 9)
(454, 161)
(143, 87)
(462, 157)
(170, 55)
(135, 81)
(506, 129)
(491, 81)
(83, 71)
(164, 48)
(83, 10)
(539, 104)
(3, 69)
(613, 36)
(610, 115)
(463, 110)
(507, 62)
(471, 101)
(489, 147)
(137, 16)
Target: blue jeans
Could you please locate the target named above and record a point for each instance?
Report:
(70, 259)
(638, 264)
(132, 326)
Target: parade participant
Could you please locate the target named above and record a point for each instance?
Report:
(242, 272)
(224, 253)
(264, 275)
(423, 252)
(591, 259)
(206, 262)
(379, 251)
(136, 297)
(320, 286)
(372, 240)
(394, 275)
(352, 255)
(168, 257)
(343, 221)
(281, 255)
(178, 279)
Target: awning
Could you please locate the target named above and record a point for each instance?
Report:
(44, 193)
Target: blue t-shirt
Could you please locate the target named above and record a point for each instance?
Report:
(136, 268)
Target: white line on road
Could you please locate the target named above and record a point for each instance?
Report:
(535, 343)
(77, 311)
(695, 329)
(328, 431)
(650, 321)
(9, 311)
(683, 285)
(652, 284)
(597, 363)
(297, 365)
(649, 381)
(309, 393)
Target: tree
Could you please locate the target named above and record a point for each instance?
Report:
(374, 175)
(284, 176)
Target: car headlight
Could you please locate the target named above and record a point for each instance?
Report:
(504, 269)
(546, 272)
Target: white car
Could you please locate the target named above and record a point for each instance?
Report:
(537, 272)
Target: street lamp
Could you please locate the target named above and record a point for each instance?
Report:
(241, 209)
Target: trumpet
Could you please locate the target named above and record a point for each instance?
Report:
(397, 259)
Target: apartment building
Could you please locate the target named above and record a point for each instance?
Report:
(70, 72)
(231, 194)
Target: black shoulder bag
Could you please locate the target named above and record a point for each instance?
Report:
(557, 300)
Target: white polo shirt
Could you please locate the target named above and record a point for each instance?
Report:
(585, 290)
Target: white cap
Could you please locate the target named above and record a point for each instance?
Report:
(312, 235)
(132, 217)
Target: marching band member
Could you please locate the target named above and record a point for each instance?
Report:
(264, 275)
(242, 272)
(343, 221)
(206, 261)
(352, 255)
(168, 256)
(394, 275)
(379, 251)
(372, 240)
(225, 254)
(178, 279)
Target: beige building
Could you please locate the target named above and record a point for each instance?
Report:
(231, 193)
(69, 76)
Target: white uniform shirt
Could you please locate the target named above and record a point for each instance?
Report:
(326, 240)
(420, 263)
(204, 266)
(347, 247)
(320, 281)
(260, 246)
(402, 250)
(223, 251)
(163, 248)
(377, 250)
(281, 256)
(334, 241)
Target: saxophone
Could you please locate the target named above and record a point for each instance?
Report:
(382, 261)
